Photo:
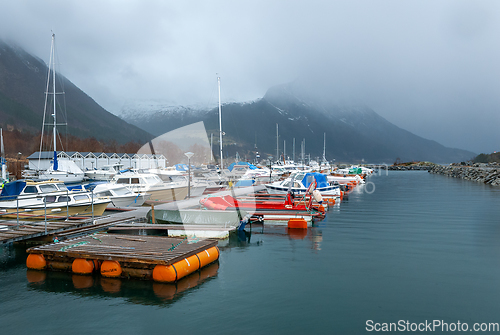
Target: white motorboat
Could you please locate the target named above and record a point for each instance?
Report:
(345, 179)
(107, 172)
(150, 183)
(299, 182)
(120, 196)
(33, 199)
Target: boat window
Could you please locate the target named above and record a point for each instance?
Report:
(30, 189)
(123, 181)
(295, 184)
(48, 188)
(104, 194)
(64, 199)
(287, 184)
(51, 198)
(134, 180)
(81, 197)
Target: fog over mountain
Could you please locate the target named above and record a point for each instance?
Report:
(354, 133)
(426, 66)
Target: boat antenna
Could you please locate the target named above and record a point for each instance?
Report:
(324, 147)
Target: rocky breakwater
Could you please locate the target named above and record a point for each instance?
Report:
(411, 166)
(481, 173)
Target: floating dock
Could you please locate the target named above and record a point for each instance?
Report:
(162, 259)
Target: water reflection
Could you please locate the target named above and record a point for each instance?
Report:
(314, 234)
(134, 291)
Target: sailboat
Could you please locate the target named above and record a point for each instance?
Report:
(66, 171)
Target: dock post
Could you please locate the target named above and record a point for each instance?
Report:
(17, 205)
(153, 213)
(67, 204)
(93, 207)
(45, 210)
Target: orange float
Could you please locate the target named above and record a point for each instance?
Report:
(36, 262)
(208, 256)
(111, 269)
(180, 269)
(84, 266)
(297, 223)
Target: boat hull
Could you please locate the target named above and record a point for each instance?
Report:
(60, 210)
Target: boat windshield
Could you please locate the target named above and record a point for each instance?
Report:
(122, 191)
(104, 194)
(152, 180)
(47, 188)
(298, 175)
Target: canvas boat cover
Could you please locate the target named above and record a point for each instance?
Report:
(12, 189)
(250, 166)
(201, 217)
(320, 179)
(355, 170)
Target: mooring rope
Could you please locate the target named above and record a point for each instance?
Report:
(178, 244)
(73, 245)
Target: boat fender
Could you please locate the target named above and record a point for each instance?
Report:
(311, 187)
(317, 196)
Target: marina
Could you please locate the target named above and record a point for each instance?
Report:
(381, 253)
(205, 168)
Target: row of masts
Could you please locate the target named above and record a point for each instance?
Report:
(303, 147)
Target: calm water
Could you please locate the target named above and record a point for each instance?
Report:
(419, 247)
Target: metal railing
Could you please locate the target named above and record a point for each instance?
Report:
(18, 207)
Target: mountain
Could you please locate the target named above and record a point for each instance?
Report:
(22, 86)
(354, 133)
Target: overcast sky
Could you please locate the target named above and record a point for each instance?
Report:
(431, 67)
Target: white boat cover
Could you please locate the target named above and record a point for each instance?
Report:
(200, 217)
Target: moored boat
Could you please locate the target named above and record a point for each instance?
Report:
(35, 199)
(120, 196)
(152, 184)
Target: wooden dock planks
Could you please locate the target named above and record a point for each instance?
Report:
(31, 229)
(149, 250)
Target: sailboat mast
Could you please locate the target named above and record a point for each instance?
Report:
(220, 126)
(53, 56)
(54, 88)
(211, 147)
(277, 144)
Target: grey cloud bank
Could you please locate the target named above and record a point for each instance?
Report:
(430, 67)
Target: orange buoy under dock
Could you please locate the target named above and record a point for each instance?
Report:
(163, 259)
